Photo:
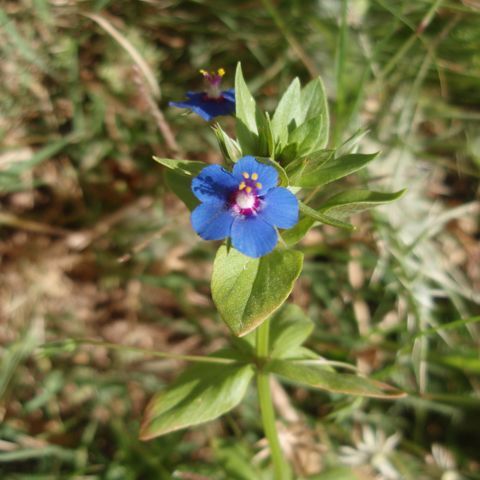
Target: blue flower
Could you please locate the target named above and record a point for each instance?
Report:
(213, 102)
(244, 204)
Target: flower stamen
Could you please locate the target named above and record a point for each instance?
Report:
(245, 175)
(213, 83)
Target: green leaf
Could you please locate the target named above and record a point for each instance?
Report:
(202, 393)
(248, 290)
(230, 149)
(266, 143)
(187, 167)
(334, 169)
(310, 135)
(306, 165)
(289, 328)
(314, 111)
(309, 129)
(245, 112)
(288, 108)
(354, 201)
(295, 234)
(180, 184)
(350, 145)
(317, 376)
(465, 363)
(178, 178)
(235, 460)
(314, 103)
(321, 217)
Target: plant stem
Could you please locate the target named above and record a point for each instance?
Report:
(280, 466)
(73, 343)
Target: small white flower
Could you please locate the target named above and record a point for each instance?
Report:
(372, 449)
(445, 461)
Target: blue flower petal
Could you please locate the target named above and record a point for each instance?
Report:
(267, 176)
(208, 108)
(280, 208)
(229, 94)
(212, 221)
(253, 236)
(214, 184)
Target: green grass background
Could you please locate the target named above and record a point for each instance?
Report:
(92, 244)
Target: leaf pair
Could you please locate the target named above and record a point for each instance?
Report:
(206, 391)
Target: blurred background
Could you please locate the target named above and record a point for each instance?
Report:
(93, 245)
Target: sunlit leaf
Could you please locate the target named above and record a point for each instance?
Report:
(354, 201)
(317, 376)
(287, 109)
(289, 328)
(248, 290)
(202, 393)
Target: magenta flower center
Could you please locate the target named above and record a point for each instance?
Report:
(213, 81)
(246, 200)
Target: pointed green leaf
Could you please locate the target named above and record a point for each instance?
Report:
(321, 217)
(202, 393)
(248, 290)
(334, 169)
(314, 103)
(187, 167)
(266, 143)
(245, 112)
(350, 145)
(287, 110)
(354, 201)
(230, 149)
(180, 185)
(179, 176)
(295, 234)
(289, 328)
(317, 376)
(310, 135)
(307, 165)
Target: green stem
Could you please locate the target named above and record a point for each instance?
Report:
(72, 343)
(280, 466)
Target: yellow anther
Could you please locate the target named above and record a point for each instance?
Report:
(245, 175)
(258, 185)
(248, 189)
(254, 176)
(221, 72)
(203, 72)
(242, 186)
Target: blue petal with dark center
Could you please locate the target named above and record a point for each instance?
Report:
(267, 176)
(280, 208)
(214, 184)
(252, 236)
(212, 221)
(208, 108)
